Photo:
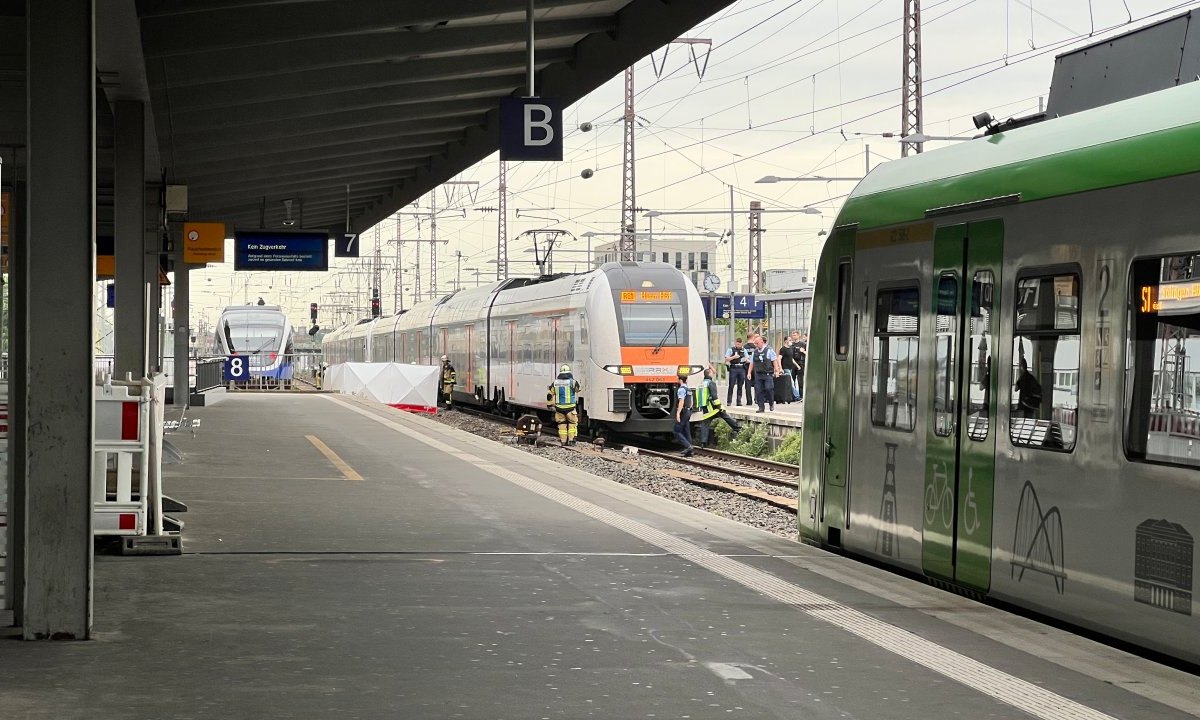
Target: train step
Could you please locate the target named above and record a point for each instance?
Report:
(171, 505)
(172, 526)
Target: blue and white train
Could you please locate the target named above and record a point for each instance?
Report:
(262, 336)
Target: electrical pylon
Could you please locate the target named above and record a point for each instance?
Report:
(502, 226)
(911, 114)
(754, 265)
(433, 244)
(628, 248)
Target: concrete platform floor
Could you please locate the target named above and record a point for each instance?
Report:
(350, 561)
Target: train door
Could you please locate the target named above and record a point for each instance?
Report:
(837, 408)
(557, 361)
(512, 358)
(961, 432)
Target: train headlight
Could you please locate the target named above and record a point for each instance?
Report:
(619, 369)
(690, 369)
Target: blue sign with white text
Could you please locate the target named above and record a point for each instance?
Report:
(237, 368)
(531, 129)
(746, 307)
(280, 250)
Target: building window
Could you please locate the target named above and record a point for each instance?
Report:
(678, 261)
(1045, 342)
(691, 261)
(666, 257)
(703, 261)
(894, 358)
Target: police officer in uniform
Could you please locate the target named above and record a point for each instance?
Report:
(735, 358)
(764, 366)
(683, 414)
(449, 380)
(563, 397)
(708, 403)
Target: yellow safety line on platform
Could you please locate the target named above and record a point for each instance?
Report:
(338, 463)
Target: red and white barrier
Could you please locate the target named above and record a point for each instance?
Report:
(126, 465)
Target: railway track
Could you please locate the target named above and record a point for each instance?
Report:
(766, 472)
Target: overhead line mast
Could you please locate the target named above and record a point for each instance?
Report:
(911, 114)
(627, 246)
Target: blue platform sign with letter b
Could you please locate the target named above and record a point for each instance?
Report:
(531, 129)
(237, 368)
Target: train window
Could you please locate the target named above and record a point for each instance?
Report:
(842, 341)
(1162, 400)
(1044, 413)
(894, 358)
(945, 330)
(979, 354)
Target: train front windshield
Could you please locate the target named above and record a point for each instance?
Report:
(254, 335)
(653, 323)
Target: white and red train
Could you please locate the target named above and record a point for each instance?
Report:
(625, 329)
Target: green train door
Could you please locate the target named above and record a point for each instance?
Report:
(961, 433)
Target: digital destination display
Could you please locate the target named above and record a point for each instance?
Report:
(1155, 297)
(632, 296)
(280, 250)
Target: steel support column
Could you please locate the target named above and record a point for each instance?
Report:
(61, 107)
(129, 225)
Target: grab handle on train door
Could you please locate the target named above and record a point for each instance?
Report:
(829, 448)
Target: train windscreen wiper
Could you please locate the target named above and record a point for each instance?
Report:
(672, 329)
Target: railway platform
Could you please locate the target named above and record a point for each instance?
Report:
(348, 560)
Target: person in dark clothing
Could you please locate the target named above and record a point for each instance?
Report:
(764, 366)
(683, 415)
(736, 359)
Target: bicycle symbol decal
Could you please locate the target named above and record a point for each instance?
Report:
(939, 498)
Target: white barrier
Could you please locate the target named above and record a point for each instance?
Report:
(126, 464)
(407, 387)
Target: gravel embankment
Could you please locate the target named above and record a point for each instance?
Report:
(646, 475)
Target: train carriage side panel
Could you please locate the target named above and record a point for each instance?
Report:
(889, 337)
(828, 388)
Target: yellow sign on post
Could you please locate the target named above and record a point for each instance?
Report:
(203, 242)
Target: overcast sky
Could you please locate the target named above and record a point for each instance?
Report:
(791, 88)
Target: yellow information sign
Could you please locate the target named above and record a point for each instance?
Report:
(203, 242)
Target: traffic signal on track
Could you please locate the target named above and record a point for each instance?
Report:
(312, 312)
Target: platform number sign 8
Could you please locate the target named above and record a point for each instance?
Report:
(236, 369)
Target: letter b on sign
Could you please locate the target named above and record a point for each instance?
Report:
(530, 129)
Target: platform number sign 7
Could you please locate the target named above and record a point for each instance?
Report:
(346, 245)
(236, 369)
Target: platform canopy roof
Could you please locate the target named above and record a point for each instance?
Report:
(258, 102)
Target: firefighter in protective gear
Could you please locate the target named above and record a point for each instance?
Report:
(708, 404)
(563, 397)
(449, 380)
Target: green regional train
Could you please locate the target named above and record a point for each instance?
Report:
(1003, 388)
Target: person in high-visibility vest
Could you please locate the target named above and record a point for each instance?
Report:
(449, 380)
(563, 397)
(708, 404)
